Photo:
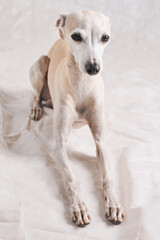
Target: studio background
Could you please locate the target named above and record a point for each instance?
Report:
(32, 196)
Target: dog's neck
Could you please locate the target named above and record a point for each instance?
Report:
(81, 83)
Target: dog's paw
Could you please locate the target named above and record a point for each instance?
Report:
(80, 215)
(36, 113)
(113, 210)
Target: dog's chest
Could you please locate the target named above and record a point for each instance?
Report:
(80, 119)
(81, 112)
(82, 85)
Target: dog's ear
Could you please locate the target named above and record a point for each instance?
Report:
(60, 24)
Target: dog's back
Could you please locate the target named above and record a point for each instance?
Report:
(56, 54)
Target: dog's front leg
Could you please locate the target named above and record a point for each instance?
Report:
(113, 208)
(63, 118)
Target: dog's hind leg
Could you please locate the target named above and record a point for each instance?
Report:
(38, 78)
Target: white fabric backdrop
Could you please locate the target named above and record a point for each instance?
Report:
(32, 196)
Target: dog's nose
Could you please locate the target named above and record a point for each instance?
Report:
(92, 68)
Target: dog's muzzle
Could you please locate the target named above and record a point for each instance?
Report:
(92, 68)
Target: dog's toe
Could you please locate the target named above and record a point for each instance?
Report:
(114, 211)
(115, 221)
(36, 113)
(80, 216)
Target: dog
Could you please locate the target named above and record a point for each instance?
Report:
(68, 79)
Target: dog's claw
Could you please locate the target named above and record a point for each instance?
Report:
(114, 222)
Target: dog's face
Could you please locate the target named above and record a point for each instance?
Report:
(86, 34)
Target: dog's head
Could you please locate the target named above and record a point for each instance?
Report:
(86, 34)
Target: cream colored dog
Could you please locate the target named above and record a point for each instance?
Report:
(69, 79)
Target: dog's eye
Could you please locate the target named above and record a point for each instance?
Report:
(76, 37)
(104, 38)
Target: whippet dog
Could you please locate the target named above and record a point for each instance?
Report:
(68, 78)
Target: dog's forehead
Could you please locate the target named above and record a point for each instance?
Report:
(87, 20)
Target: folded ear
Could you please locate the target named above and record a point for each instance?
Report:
(60, 24)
